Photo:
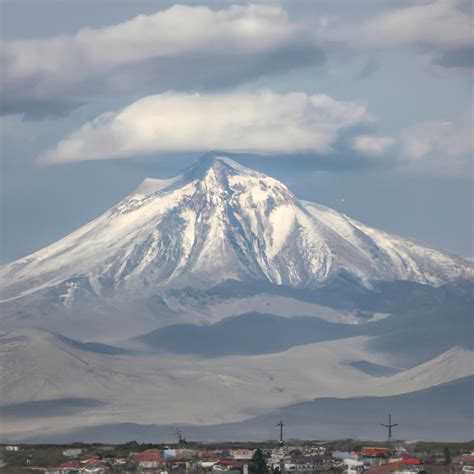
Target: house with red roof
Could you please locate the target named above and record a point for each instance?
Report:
(375, 452)
(151, 458)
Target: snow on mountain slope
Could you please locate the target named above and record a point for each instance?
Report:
(219, 221)
(455, 363)
(214, 311)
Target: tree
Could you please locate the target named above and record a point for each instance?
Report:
(258, 464)
(447, 456)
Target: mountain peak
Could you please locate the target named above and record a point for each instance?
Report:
(213, 157)
(218, 163)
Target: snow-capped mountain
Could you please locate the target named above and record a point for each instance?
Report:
(280, 282)
(220, 221)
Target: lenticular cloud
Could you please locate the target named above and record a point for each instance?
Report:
(262, 122)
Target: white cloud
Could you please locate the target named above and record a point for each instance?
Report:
(442, 138)
(440, 31)
(179, 29)
(440, 23)
(263, 122)
(372, 145)
(440, 148)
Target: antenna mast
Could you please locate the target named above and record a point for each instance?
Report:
(389, 426)
(281, 425)
(181, 439)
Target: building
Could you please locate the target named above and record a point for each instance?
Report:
(465, 462)
(72, 453)
(149, 459)
(396, 468)
(345, 455)
(353, 467)
(369, 452)
(245, 454)
(70, 467)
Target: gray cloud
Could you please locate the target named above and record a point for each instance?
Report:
(37, 109)
(200, 72)
(210, 71)
(457, 58)
(441, 28)
(182, 47)
(370, 67)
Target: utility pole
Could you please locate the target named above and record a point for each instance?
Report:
(281, 425)
(389, 426)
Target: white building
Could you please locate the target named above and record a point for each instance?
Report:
(72, 453)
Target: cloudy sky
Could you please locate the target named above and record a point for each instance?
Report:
(363, 106)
